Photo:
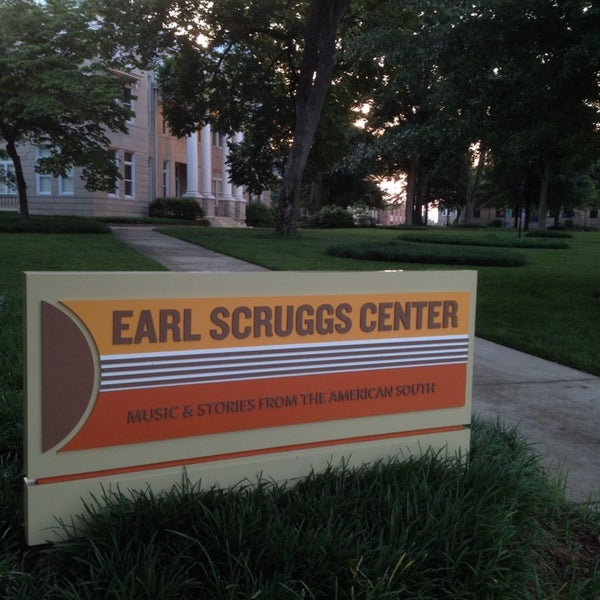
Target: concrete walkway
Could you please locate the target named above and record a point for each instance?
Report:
(556, 408)
(176, 255)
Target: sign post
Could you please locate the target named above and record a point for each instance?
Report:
(135, 378)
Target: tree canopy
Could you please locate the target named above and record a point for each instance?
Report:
(521, 86)
(263, 68)
(460, 94)
(56, 91)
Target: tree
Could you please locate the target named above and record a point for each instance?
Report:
(542, 94)
(521, 85)
(55, 91)
(416, 124)
(263, 68)
(315, 78)
(568, 192)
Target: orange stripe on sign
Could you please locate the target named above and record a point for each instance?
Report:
(244, 454)
(135, 416)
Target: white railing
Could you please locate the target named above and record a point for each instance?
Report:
(8, 201)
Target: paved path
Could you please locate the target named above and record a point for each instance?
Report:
(177, 255)
(556, 408)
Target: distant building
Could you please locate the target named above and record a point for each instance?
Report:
(583, 218)
(152, 162)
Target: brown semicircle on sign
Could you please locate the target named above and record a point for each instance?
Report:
(67, 375)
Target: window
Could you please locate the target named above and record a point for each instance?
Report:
(114, 190)
(7, 178)
(594, 213)
(217, 187)
(165, 178)
(43, 181)
(129, 174)
(65, 184)
(180, 179)
(218, 139)
(129, 101)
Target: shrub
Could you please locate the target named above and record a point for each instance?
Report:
(491, 240)
(259, 215)
(549, 233)
(408, 252)
(10, 223)
(176, 208)
(362, 218)
(332, 217)
(496, 223)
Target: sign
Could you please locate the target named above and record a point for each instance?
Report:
(134, 377)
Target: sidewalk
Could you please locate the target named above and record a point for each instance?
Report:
(556, 408)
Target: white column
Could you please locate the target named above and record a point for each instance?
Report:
(238, 190)
(207, 163)
(192, 166)
(227, 187)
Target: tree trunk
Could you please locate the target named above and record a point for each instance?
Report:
(315, 78)
(411, 188)
(420, 189)
(11, 149)
(543, 205)
(469, 209)
(473, 187)
(316, 192)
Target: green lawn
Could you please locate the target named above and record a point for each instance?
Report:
(550, 307)
(64, 252)
(493, 526)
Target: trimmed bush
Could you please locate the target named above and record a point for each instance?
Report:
(176, 208)
(549, 233)
(259, 215)
(408, 252)
(332, 217)
(491, 240)
(9, 223)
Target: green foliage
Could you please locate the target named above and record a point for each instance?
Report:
(548, 233)
(412, 252)
(11, 349)
(345, 188)
(265, 69)
(332, 217)
(176, 208)
(259, 215)
(64, 94)
(11, 430)
(425, 527)
(520, 86)
(362, 217)
(68, 252)
(543, 291)
(492, 240)
(11, 224)
(242, 79)
(491, 525)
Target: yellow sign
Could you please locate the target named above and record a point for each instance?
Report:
(142, 375)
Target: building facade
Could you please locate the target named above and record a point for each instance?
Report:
(582, 218)
(152, 164)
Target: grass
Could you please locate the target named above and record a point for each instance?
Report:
(427, 253)
(65, 252)
(487, 239)
(546, 307)
(424, 528)
(492, 525)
